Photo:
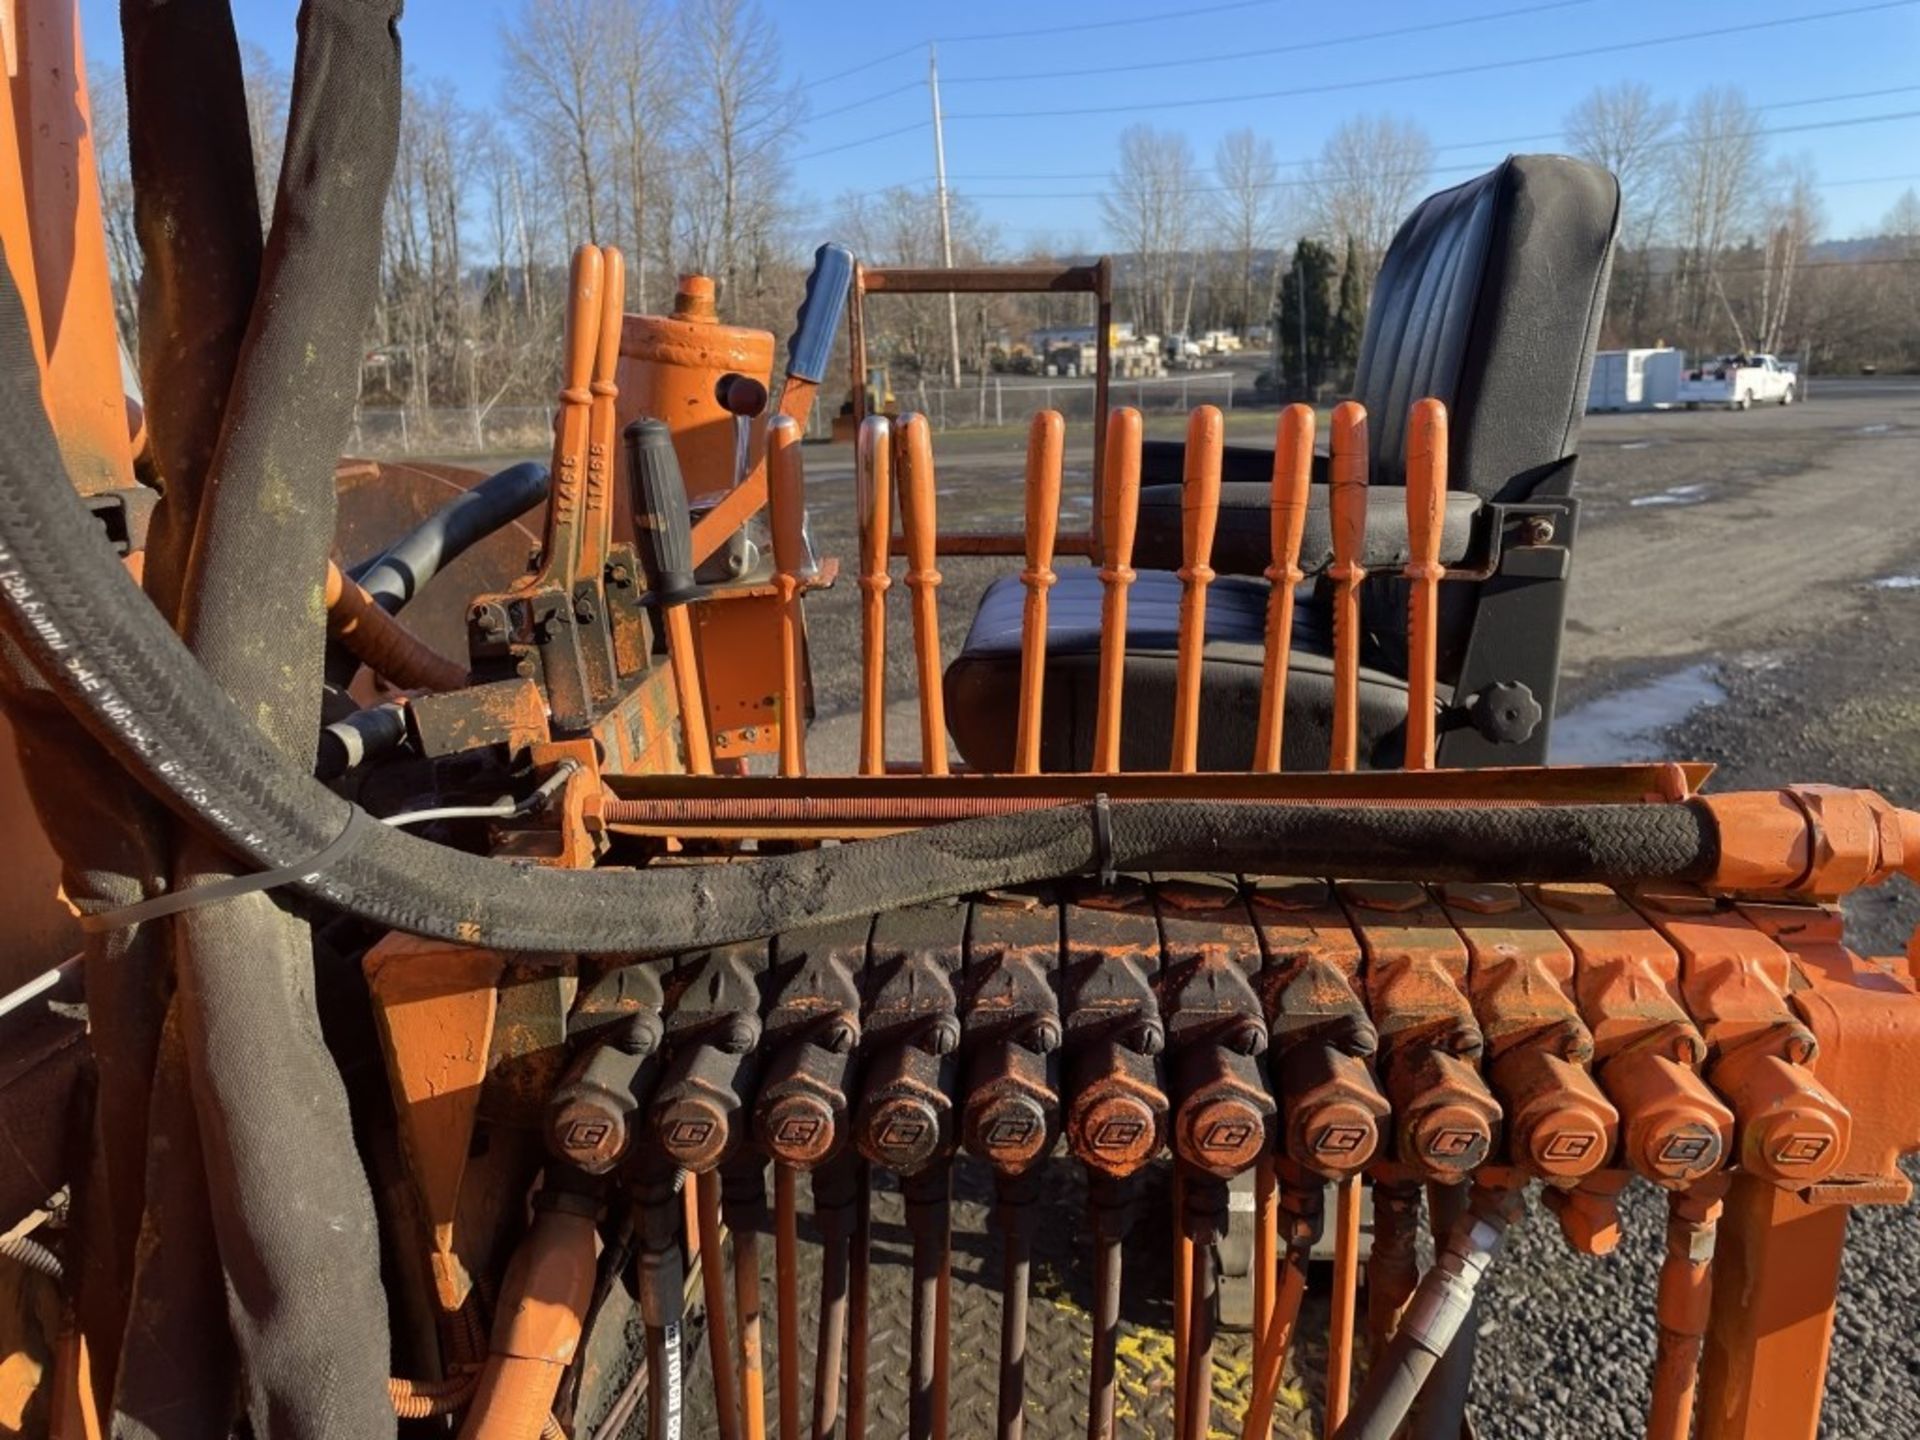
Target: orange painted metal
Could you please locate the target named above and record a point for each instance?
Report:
(713, 1288)
(787, 502)
(689, 691)
(561, 550)
(1559, 1127)
(671, 368)
(1199, 516)
(597, 499)
(1300, 1211)
(1347, 502)
(1776, 1275)
(786, 1224)
(1120, 499)
(1416, 978)
(873, 498)
(382, 643)
(1684, 1307)
(913, 465)
(543, 1307)
(435, 1004)
(1647, 1052)
(1788, 1127)
(53, 137)
(1340, 1320)
(1426, 512)
(1045, 439)
(1292, 474)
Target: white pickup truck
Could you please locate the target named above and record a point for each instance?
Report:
(1740, 382)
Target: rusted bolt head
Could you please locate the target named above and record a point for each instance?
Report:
(1115, 1128)
(901, 1132)
(1562, 1135)
(800, 1125)
(1537, 530)
(587, 1133)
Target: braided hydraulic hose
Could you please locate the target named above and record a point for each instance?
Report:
(115, 662)
(385, 645)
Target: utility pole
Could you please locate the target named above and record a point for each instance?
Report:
(946, 218)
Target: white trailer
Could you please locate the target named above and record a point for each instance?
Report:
(1740, 382)
(1645, 379)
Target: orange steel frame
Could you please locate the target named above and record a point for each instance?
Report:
(1095, 279)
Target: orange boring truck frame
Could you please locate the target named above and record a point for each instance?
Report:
(406, 1006)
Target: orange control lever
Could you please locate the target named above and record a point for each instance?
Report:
(873, 498)
(1292, 473)
(1199, 517)
(1120, 516)
(1347, 502)
(1426, 513)
(787, 501)
(560, 555)
(596, 510)
(1045, 439)
(913, 462)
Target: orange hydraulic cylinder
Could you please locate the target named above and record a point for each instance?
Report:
(1120, 503)
(1347, 504)
(873, 498)
(786, 499)
(1426, 513)
(913, 464)
(1199, 517)
(1045, 441)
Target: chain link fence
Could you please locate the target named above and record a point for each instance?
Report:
(1002, 402)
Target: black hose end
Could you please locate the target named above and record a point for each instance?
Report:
(660, 514)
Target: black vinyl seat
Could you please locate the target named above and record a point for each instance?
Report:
(1490, 299)
(983, 682)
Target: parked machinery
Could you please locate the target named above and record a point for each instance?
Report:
(591, 1027)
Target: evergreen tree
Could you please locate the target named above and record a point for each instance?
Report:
(1349, 319)
(1305, 318)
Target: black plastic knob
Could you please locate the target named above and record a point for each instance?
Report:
(1506, 712)
(660, 514)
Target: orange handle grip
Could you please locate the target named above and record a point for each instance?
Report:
(787, 498)
(613, 305)
(1426, 485)
(1348, 503)
(585, 282)
(914, 465)
(1292, 475)
(873, 494)
(1046, 439)
(1199, 518)
(1119, 519)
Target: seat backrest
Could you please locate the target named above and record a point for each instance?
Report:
(1490, 298)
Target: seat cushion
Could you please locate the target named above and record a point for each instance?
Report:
(1243, 540)
(983, 681)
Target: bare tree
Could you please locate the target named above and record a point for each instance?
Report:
(1369, 174)
(1625, 130)
(1712, 170)
(740, 112)
(1148, 207)
(1794, 217)
(1249, 213)
(269, 90)
(643, 92)
(556, 88)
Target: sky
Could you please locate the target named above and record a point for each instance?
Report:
(1484, 77)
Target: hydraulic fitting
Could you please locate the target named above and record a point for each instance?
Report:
(713, 1027)
(589, 1115)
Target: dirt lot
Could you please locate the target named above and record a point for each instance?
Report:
(1739, 598)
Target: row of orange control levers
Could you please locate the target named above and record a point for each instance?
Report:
(1302, 1029)
(1306, 1030)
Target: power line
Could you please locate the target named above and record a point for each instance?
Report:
(1305, 180)
(1322, 44)
(1535, 137)
(868, 140)
(1449, 72)
(1325, 43)
(1079, 27)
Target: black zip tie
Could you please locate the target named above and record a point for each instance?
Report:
(172, 903)
(1103, 841)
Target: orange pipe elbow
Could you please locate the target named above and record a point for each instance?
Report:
(382, 643)
(543, 1309)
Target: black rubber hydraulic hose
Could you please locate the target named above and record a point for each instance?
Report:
(402, 570)
(125, 675)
